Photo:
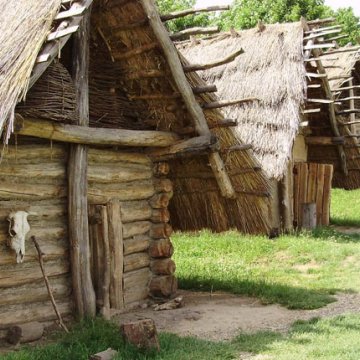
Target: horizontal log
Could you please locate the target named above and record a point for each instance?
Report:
(28, 273)
(223, 103)
(159, 201)
(17, 314)
(196, 145)
(349, 111)
(163, 267)
(137, 278)
(136, 244)
(336, 38)
(349, 123)
(182, 13)
(36, 292)
(316, 75)
(136, 51)
(14, 191)
(350, 98)
(24, 333)
(321, 59)
(162, 248)
(346, 88)
(311, 111)
(118, 174)
(33, 171)
(159, 231)
(102, 193)
(161, 169)
(160, 216)
(30, 154)
(163, 286)
(136, 294)
(136, 261)
(226, 60)
(320, 101)
(136, 228)
(324, 140)
(102, 156)
(315, 35)
(319, 46)
(95, 136)
(135, 211)
(194, 31)
(322, 29)
(204, 89)
(321, 21)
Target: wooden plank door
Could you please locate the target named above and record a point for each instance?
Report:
(312, 184)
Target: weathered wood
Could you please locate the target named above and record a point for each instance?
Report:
(137, 278)
(160, 215)
(95, 136)
(319, 46)
(163, 286)
(308, 216)
(195, 145)
(194, 31)
(116, 174)
(84, 294)
(136, 210)
(342, 50)
(162, 248)
(25, 333)
(136, 296)
(348, 111)
(185, 90)
(116, 235)
(102, 156)
(204, 89)
(182, 13)
(108, 354)
(136, 228)
(324, 140)
(224, 103)
(321, 21)
(320, 101)
(136, 261)
(159, 231)
(201, 67)
(327, 194)
(286, 185)
(315, 35)
(142, 334)
(163, 267)
(137, 243)
(322, 29)
(161, 169)
(163, 185)
(159, 201)
(136, 51)
(14, 191)
(319, 194)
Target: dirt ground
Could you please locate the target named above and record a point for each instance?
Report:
(222, 316)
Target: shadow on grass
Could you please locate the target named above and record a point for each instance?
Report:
(344, 222)
(268, 293)
(330, 234)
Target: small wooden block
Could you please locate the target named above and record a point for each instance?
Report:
(142, 334)
(108, 354)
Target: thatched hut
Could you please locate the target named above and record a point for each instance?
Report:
(294, 117)
(343, 69)
(89, 153)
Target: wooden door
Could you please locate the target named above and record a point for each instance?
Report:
(312, 184)
(107, 255)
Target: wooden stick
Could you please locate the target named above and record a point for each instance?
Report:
(323, 29)
(350, 111)
(184, 88)
(239, 147)
(52, 299)
(204, 89)
(194, 31)
(136, 51)
(223, 103)
(322, 33)
(311, 111)
(182, 13)
(94, 136)
(324, 140)
(340, 51)
(319, 46)
(316, 75)
(320, 101)
(226, 60)
(349, 123)
(346, 88)
(321, 21)
(335, 38)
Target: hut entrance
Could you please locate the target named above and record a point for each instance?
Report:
(107, 258)
(312, 185)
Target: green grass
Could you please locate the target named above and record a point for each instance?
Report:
(330, 339)
(345, 207)
(298, 271)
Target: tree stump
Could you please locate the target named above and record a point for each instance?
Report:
(308, 216)
(142, 334)
(108, 354)
(25, 333)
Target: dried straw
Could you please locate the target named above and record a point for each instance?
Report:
(272, 70)
(24, 25)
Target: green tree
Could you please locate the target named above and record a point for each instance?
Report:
(166, 6)
(349, 23)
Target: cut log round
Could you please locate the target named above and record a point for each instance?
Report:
(163, 286)
(161, 168)
(163, 185)
(161, 248)
(25, 333)
(160, 215)
(163, 267)
(159, 231)
(159, 201)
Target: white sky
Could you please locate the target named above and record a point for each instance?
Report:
(332, 3)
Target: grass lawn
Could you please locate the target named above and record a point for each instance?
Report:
(345, 207)
(298, 271)
(330, 339)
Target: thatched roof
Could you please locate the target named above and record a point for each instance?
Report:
(24, 26)
(272, 70)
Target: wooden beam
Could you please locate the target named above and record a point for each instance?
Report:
(223, 103)
(340, 51)
(319, 46)
(194, 31)
(349, 111)
(350, 98)
(311, 111)
(320, 21)
(320, 101)
(204, 89)
(185, 90)
(194, 146)
(182, 13)
(76, 134)
(316, 75)
(324, 140)
(321, 34)
(226, 60)
(84, 294)
(323, 29)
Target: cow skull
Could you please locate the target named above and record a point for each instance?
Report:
(18, 228)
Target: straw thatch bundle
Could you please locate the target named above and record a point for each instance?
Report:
(24, 26)
(271, 70)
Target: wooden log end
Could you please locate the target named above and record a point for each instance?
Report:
(25, 333)
(163, 286)
(163, 267)
(162, 248)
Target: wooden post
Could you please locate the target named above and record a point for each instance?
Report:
(275, 209)
(309, 216)
(186, 92)
(84, 294)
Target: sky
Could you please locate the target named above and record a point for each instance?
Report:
(332, 3)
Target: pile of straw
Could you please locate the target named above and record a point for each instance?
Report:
(24, 26)
(271, 70)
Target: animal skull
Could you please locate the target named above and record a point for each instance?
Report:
(18, 228)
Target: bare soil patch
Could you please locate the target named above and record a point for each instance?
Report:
(222, 316)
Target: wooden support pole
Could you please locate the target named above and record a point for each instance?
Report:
(76, 134)
(340, 51)
(185, 90)
(349, 111)
(182, 13)
(320, 21)
(224, 103)
(226, 60)
(352, 99)
(194, 31)
(204, 89)
(84, 294)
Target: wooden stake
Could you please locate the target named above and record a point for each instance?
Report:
(52, 299)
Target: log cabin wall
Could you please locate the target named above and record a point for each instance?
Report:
(33, 179)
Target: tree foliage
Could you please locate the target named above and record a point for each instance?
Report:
(349, 23)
